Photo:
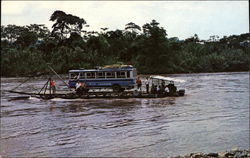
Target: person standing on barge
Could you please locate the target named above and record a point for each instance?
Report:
(53, 86)
(78, 88)
(139, 83)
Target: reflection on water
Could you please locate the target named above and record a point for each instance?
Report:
(213, 116)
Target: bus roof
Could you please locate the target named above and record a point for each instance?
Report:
(103, 70)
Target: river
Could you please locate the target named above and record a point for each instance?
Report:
(213, 116)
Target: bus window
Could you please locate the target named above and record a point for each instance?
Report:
(121, 74)
(100, 75)
(90, 74)
(74, 75)
(128, 74)
(82, 75)
(110, 74)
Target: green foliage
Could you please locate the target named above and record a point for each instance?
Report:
(21, 62)
(66, 23)
(26, 39)
(25, 50)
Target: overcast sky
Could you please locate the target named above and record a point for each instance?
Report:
(181, 19)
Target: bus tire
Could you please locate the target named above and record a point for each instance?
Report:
(116, 88)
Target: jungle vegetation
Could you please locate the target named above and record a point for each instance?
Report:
(26, 50)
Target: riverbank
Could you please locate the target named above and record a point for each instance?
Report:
(233, 153)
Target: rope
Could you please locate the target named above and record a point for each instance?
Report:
(22, 83)
(27, 81)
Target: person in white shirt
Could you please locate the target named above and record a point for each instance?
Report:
(78, 88)
(78, 85)
(158, 89)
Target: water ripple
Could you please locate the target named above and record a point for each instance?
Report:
(214, 115)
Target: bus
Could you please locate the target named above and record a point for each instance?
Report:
(116, 78)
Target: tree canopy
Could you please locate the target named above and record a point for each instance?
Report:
(66, 23)
(27, 49)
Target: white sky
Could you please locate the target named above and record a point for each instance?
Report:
(180, 18)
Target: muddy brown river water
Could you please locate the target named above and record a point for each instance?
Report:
(213, 116)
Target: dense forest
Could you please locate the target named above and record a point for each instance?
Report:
(26, 50)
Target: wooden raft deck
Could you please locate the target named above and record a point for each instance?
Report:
(94, 95)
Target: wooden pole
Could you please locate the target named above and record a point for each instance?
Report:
(26, 81)
(43, 87)
(50, 86)
(58, 76)
(46, 87)
(22, 83)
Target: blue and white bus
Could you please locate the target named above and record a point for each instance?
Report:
(118, 78)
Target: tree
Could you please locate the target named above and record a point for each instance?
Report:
(116, 41)
(40, 29)
(154, 49)
(133, 27)
(131, 31)
(66, 23)
(11, 32)
(27, 38)
(214, 38)
(195, 39)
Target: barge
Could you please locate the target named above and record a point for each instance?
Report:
(109, 82)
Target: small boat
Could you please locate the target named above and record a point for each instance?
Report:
(160, 81)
